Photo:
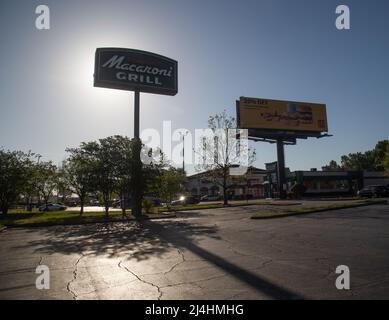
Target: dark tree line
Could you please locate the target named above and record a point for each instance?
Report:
(97, 169)
(371, 160)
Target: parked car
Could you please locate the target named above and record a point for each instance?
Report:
(52, 207)
(127, 202)
(156, 201)
(211, 198)
(183, 201)
(94, 203)
(72, 203)
(374, 192)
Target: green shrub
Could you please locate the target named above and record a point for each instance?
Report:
(297, 191)
(147, 205)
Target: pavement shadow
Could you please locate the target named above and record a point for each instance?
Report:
(144, 239)
(260, 284)
(136, 240)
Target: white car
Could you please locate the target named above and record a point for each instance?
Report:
(52, 207)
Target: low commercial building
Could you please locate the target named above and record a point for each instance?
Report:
(259, 183)
(250, 185)
(324, 183)
(336, 183)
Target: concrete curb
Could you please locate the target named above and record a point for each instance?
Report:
(291, 214)
(239, 206)
(57, 224)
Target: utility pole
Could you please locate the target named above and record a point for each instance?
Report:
(36, 181)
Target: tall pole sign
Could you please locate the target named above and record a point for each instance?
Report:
(138, 71)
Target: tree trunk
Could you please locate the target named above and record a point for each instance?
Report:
(29, 204)
(123, 210)
(123, 204)
(82, 206)
(4, 209)
(225, 195)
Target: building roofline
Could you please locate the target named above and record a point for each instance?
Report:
(205, 172)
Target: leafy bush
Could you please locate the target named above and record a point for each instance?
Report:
(297, 191)
(147, 205)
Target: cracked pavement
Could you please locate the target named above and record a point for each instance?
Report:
(205, 254)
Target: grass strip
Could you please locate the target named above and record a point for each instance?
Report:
(28, 219)
(308, 210)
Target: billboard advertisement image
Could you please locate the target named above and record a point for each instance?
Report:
(282, 115)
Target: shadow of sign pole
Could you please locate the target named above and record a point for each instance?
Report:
(255, 281)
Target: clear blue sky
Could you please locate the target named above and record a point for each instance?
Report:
(280, 49)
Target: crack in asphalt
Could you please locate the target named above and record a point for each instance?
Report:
(236, 295)
(196, 283)
(108, 287)
(178, 263)
(330, 270)
(231, 248)
(75, 272)
(120, 265)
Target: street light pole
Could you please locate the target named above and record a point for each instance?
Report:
(183, 149)
(36, 181)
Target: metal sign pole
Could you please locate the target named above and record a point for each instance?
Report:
(136, 114)
(136, 189)
(162, 80)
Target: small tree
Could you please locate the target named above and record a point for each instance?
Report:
(221, 148)
(385, 161)
(170, 182)
(109, 161)
(30, 186)
(46, 180)
(14, 174)
(77, 174)
(103, 180)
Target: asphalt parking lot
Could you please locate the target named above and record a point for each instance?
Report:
(205, 254)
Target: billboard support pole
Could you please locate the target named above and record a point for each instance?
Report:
(281, 169)
(136, 185)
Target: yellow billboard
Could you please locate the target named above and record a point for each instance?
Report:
(255, 113)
